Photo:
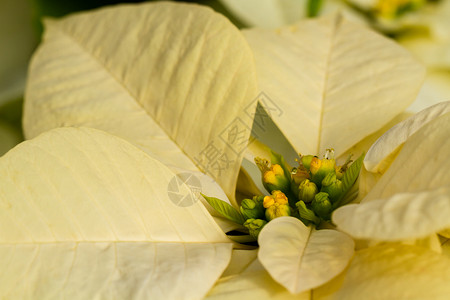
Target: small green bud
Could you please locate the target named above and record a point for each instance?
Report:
(307, 191)
(254, 226)
(321, 205)
(329, 179)
(332, 186)
(306, 160)
(306, 214)
(252, 208)
(277, 210)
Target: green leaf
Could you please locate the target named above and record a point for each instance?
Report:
(225, 209)
(349, 178)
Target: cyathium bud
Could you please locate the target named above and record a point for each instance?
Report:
(253, 208)
(321, 205)
(254, 226)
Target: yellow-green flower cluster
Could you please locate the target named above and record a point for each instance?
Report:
(309, 192)
(261, 209)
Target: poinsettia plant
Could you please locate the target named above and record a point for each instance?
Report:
(120, 100)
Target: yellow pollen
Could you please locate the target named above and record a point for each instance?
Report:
(277, 169)
(269, 177)
(268, 201)
(280, 197)
(315, 165)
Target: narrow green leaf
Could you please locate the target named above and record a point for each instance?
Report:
(349, 178)
(225, 209)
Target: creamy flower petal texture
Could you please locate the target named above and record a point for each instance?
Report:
(160, 75)
(412, 199)
(383, 151)
(391, 271)
(315, 70)
(300, 258)
(402, 216)
(86, 215)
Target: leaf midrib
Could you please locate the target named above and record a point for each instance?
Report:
(336, 26)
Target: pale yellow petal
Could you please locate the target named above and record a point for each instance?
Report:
(431, 242)
(422, 164)
(241, 261)
(364, 145)
(85, 215)
(201, 183)
(402, 216)
(435, 89)
(300, 258)
(176, 80)
(391, 272)
(412, 199)
(384, 150)
(333, 82)
(246, 278)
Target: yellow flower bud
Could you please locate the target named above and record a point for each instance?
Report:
(276, 205)
(280, 197)
(277, 169)
(273, 177)
(320, 168)
(276, 179)
(315, 165)
(268, 201)
(277, 210)
(326, 166)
